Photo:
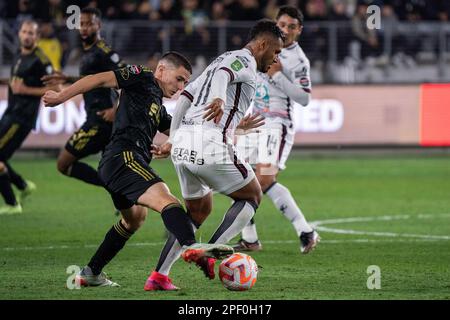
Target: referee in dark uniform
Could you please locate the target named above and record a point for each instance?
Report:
(24, 95)
(99, 103)
(124, 168)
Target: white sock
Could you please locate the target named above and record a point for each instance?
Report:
(283, 200)
(167, 259)
(236, 218)
(249, 233)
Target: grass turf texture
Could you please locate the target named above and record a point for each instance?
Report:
(65, 220)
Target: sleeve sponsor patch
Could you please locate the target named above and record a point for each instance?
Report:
(134, 69)
(115, 58)
(236, 65)
(304, 81)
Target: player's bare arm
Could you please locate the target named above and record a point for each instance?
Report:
(99, 80)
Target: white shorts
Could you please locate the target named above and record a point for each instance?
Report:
(272, 144)
(204, 164)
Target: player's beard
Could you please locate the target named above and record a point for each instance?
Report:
(90, 39)
(27, 45)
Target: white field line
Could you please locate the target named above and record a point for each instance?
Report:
(319, 226)
(150, 244)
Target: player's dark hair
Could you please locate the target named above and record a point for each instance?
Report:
(178, 60)
(292, 12)
(29, 21)
(265, 26)
(93, 11)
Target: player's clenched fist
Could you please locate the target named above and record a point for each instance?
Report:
(51, 98)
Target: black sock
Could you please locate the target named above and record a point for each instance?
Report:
(15, 178)
(6, 189)
(178, 223)
(86, 173)
(114, 241)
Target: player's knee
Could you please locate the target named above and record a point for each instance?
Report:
(266, 182)
(3, 168)
(256, 195)
(63, 166)
(134, 221)
(199, 216)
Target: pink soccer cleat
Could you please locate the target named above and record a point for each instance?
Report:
(158, 281)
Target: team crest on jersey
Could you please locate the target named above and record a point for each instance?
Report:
(236, 65)
(304, 81)
(124, 73)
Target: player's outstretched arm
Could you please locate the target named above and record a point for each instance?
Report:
(99, 80)
(295, 90)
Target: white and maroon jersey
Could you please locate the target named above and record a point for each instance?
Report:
(231, 77)
(275, 96)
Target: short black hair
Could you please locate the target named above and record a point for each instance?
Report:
(292, 12)
(178, 60)
(89, 10)
(265, 26)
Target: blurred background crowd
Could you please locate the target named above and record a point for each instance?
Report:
(411, 45)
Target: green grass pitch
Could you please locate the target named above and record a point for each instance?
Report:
(65, 220)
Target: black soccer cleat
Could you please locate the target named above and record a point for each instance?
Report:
(308, 241)
(245, 246)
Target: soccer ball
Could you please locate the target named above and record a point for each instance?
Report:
(238, 272)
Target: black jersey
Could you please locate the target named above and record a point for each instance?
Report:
(99, 58)
(140, 113)
(29, 68)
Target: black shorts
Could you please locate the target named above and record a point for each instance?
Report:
(12, 135)
(126, 176)
(91, 138)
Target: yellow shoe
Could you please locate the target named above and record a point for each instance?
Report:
(9, 210)
(30, 188)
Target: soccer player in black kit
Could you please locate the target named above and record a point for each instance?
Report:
(124, 167)
(24, 96)
(99, 103)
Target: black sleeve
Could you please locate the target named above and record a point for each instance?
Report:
(132, 75)
(112, 61)
(165, 119)
(41, 69)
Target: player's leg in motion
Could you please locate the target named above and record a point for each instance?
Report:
(158, 198)
(86, 141)
(12, 206)
(69, 165)
(159, 278)
(283, 201)
(246, 201)
(12, 135)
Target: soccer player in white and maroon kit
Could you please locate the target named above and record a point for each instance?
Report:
(202, 149)
(286, 82)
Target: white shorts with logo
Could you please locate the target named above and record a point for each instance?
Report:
(272, 144)
(204, 163)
